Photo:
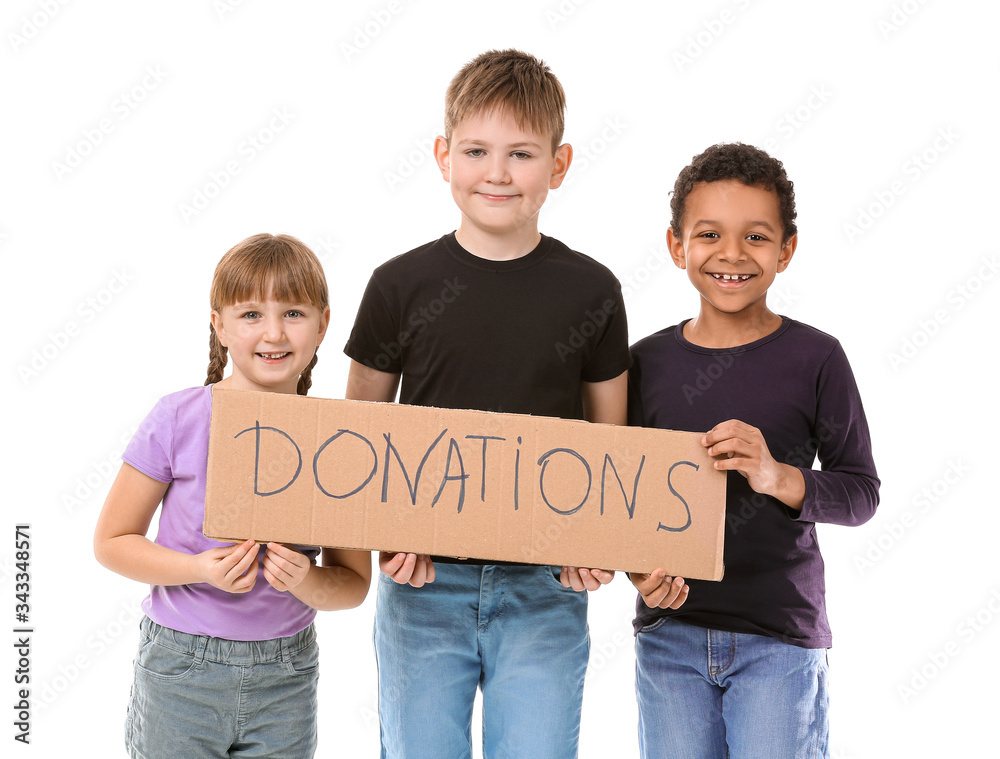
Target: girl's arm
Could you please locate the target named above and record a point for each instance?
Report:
(340, 583)
(121, 545)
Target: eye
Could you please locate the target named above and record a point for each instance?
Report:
(294, 314)
(520, 155)
(754, 237)
(475, 152)
(250, 315)
(710, 235)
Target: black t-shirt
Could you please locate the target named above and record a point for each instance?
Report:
(518, 336)
(796, 386)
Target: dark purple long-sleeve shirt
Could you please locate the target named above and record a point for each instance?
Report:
(797, 388)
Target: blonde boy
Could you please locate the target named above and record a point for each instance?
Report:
(477, 319)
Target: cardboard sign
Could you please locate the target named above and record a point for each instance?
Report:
(467, 484)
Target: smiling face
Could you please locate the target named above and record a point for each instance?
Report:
(500, 175)
(270, 342)
(732, 246)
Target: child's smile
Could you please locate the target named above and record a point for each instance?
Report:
(731, 280)
(500, 175)
(732, 246)
(270, 343)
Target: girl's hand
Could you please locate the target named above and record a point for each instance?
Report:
(229, 568)
(660, 591)
(285, 567)
(403, 568)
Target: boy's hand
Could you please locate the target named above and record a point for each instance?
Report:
(748, 454)
(285, 567)
(579, 579)
(660, 591)
(229, 568)
(403, 568)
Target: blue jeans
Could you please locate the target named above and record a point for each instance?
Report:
(513, 631)
(708, 694)
(196, 696)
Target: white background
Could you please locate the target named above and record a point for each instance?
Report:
(881, 111)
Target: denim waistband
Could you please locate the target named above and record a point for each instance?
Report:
(235, 652)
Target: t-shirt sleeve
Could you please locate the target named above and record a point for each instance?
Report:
(636, 415)
(611, 356)
(149, 450)
(846, 489)
(375, 332)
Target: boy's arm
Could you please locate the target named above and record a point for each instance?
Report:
(366, 384)
(846, 490)
(604, 403)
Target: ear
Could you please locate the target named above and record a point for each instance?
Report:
(443, 157)
(220, 331)
(787, 251)
(324, 322)
(676, 246)
(563, 158)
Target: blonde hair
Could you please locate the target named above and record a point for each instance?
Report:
(279, 266)
(512, 83)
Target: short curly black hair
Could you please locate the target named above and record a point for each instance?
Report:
(744, 163)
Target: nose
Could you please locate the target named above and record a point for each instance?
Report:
(274, 329)
(732, 250)
(496, 170)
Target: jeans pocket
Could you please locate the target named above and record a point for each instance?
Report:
(554, 572)
(163, 663)
(654, 625)
(305, 661)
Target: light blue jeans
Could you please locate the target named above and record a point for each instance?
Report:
(196, 696)
(513, 631)
(708, 694)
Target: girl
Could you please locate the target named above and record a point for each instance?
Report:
(227, 662)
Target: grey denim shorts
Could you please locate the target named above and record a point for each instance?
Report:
(196, 696)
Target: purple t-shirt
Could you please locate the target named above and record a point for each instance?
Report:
(796, 386)
(171, 445)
